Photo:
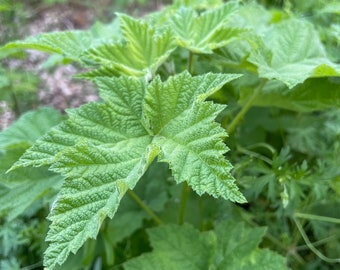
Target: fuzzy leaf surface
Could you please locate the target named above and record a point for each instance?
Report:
(117, 120)
(286, 57)
(142, 50)
(183, 247)
(205, 32)
(104, 148)
(26, 185)
(97, 179)
(189, 139)
(71, 44)
(30, 127)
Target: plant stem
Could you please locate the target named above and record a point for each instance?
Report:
(278, 243)
(319, 218)
(190, 61)
(246, 107)
(254, 154)
(15, 103)
(317, 243)
(145, 207)
(32, 266)
(184, 199)
(311, 247)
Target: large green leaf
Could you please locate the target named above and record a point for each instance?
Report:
(207, 31)
(104, 148)
(143, 49)
(71, 44)
(292, 52)
(97, 179)
(26, 185)
(230, 246)
(29, 127)
(314, 94)
(191, 143)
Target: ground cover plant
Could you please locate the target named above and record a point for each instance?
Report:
(214, 145)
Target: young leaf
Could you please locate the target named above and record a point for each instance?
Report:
(68, 43)
(198, 4)
(141, 52)
(71, 44)
(292, 52)
(189, 139)
(230, 246)
(191, 144)
(205, 32)
(103, 149)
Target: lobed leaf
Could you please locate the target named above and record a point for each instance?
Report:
(26, 185)
(292, 52)
(104, 148)
(71, 44)
(97, 123)
(198, 4)
(141, 52)
(314, 94)
(29, 127)
(205, 32)
(97, 179)
(230, 246)
(165, 101)
(191, 143)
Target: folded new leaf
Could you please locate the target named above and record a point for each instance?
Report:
(207, 31)
(104, 148)
(142, 50)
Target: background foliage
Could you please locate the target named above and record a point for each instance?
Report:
(278, 101)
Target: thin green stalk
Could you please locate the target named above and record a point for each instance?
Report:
(190, 61)
(145, 207)
(271, 149)
(311, 246)
(201, 213)
(278, 243)
(33, 266)
(319, 218)
(317, 243)
(15, 103)
(254, 154)
(246, 107)
(183, 203)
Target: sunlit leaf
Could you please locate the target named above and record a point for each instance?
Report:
(207, 31)
(292, 52)
(104, 148)
(142, 50)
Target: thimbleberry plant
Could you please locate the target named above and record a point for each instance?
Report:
(176, 88)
